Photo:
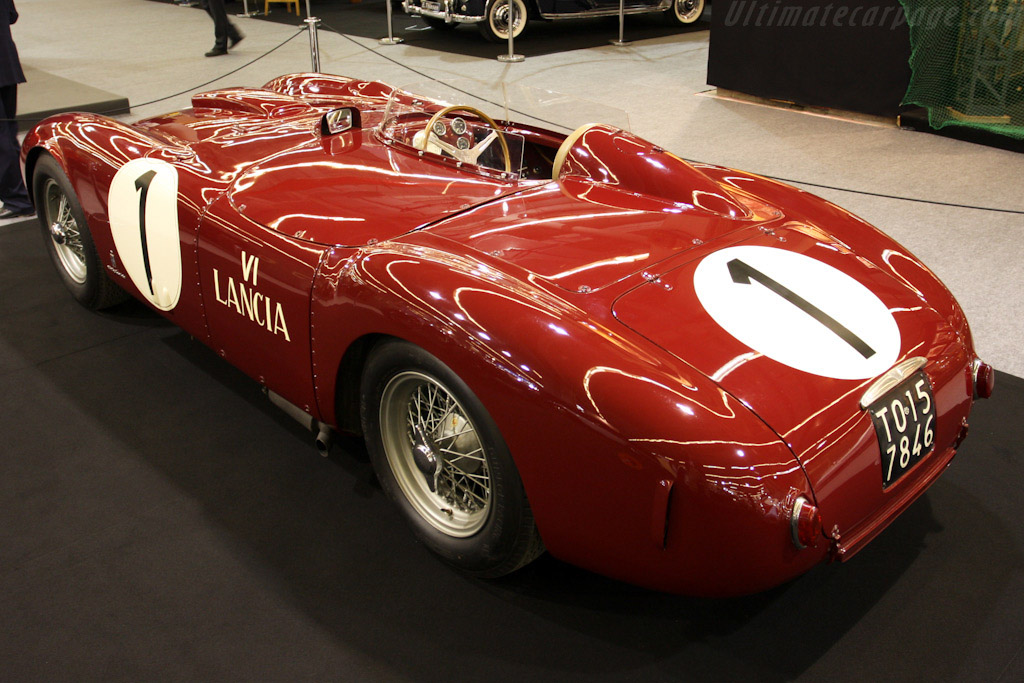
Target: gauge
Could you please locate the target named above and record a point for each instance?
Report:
(439, 128)
(462, 143)
(459, 126)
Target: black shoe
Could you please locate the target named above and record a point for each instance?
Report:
(16, 213)
(236, 39)
(217, 51)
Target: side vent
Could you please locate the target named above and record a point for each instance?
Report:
(662, 507)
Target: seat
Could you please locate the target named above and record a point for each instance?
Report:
(288, 6)
(563, 149)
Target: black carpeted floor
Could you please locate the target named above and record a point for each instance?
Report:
(368, 19)
(159, 520)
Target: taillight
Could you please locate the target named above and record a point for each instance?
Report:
(984, 379)
(805, 523)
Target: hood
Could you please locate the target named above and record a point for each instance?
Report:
(351, 189)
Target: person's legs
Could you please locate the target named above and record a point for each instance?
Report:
(216, 10)
(12, 187)
(225, 33)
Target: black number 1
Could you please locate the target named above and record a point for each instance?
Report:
(743, 273)
(142, 185)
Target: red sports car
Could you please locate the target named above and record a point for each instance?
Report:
(683, 376)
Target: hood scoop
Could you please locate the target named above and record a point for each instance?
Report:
(610, 167)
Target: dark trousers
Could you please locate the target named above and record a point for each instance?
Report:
(222, 28)
(12, 187)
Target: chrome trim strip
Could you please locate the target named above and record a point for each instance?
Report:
(610, 12)
(891, 378)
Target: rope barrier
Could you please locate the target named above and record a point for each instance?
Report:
(697, 161)
(867, 193)
(183, 92)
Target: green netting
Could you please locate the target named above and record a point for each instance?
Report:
(967, 61)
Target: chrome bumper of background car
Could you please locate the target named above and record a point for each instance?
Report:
(443, 12)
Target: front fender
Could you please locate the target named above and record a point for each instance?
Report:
(89, 148)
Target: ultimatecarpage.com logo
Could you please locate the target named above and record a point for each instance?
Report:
(777, 13)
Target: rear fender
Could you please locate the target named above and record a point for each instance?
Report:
(619, 446)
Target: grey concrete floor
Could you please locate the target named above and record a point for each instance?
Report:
(151, 51)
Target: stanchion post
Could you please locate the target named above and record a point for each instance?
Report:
(246, 12)
(622, 24)
(390, 40)
(314, 44)
(511, 56)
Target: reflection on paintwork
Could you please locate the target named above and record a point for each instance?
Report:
(734, 364)
(725, 411)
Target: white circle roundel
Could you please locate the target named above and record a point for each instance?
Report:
(798, 311)
(143, 211)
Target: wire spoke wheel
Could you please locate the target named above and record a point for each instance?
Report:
(440, 457)
(68, 240)
(435, 453)
(64, 231)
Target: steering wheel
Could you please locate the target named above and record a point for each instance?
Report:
(473, 153)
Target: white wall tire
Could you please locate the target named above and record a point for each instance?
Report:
(495, 25)
(686, 12)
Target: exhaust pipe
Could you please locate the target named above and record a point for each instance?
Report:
(324, 439)
(324, 434)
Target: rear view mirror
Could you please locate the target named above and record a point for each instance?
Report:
(339, 120)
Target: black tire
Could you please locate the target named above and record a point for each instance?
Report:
(438, 24)
(470, 509)
(685, 12)
(68, 239)
(494, 27)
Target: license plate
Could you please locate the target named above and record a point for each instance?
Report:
(905, 425)
(432, 6)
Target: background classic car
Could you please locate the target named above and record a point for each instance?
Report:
(492, 16)
(683, 376)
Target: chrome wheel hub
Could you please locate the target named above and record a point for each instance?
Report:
(425, 455)
(688, 10)
(57, 233)
(505, 16)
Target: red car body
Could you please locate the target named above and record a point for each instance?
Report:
(654, 446)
